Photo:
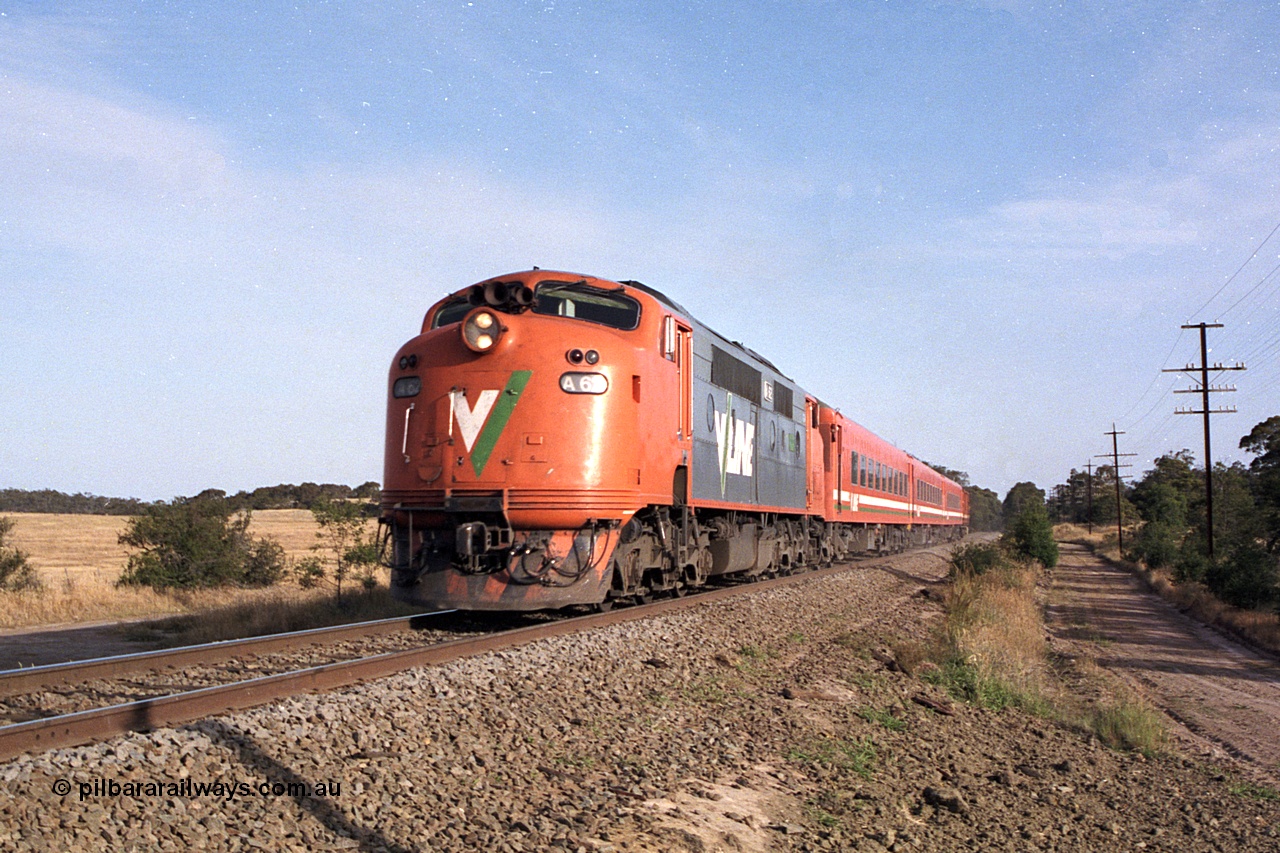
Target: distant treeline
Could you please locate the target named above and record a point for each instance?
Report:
(285, 496)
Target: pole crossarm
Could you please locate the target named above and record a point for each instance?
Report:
(1204, 389)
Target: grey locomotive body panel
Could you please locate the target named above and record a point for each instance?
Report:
(748, 428)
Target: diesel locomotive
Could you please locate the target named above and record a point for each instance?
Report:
(555, 439)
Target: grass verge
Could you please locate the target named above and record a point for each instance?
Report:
(991, 652)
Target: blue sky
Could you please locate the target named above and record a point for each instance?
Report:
(973, 226)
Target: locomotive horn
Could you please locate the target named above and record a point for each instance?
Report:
(495, 293)
(523, 296)
(476, 295)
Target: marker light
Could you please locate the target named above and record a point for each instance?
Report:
(407, 386)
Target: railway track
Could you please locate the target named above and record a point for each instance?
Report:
(165, 705)
(29, 679)
(40, 692)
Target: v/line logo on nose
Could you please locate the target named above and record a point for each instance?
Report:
(482, 424)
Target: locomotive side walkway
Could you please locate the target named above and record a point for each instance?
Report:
(1223, 697)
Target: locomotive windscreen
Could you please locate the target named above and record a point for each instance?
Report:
(582, 302)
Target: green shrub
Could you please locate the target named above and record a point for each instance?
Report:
(16, 572)
(344, 533)
(1032, 536)
(1191, 565)
(196, 543)
(1156, 545)
(976, 558)
(1246, 578)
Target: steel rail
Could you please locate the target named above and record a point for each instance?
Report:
(99, 724)
(14, 682)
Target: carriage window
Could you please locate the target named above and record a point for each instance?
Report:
(583, 302)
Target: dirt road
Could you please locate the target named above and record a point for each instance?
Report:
(1224, 698)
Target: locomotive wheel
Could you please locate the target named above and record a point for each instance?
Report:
(604, 606)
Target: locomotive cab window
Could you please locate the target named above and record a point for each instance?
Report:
(582, 302)
(451, 312)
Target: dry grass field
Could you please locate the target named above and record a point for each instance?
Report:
(79, 559)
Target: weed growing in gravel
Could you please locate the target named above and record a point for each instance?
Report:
(972, 681)
(866, 681)
(706, 691)
(752, 658)
(884, 718)
(581, 762)
(1255, 792)
(857, 756)
(820, 816)
(1129, 724)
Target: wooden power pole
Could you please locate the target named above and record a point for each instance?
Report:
(1204, 390)
(1088, 492)
(1115, 455)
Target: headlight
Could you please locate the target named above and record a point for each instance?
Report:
(584, 383)
(481, 330)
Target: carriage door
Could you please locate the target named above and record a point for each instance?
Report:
(911, 494)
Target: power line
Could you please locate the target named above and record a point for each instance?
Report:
(1172, 349)
(1245, 295)
(1237, 272)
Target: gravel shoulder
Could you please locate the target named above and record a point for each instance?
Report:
(774, 721)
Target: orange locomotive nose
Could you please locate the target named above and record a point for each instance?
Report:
(512, 453)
